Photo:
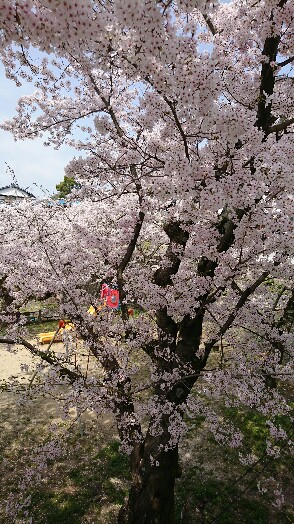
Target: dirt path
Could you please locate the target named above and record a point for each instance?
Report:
(25, 425)
(10, 362)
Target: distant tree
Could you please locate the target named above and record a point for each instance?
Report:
(65, 187)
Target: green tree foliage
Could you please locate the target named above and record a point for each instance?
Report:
(65, 187)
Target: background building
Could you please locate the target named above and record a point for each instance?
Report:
(12, 193)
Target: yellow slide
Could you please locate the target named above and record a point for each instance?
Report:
(46, 338)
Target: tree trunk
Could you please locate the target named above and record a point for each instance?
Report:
(151, 498)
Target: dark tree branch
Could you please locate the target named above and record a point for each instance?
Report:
(170, 105)
(281, 126)
(45, 356)
(210, 24)
(179, 125)
(242, 300)
(267, 80)
(107, 106)
(131, 247)
(167, 327)
(288, 313)
(5, 295)
(178, 236)
(286, 62)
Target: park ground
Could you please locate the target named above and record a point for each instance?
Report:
(89, 480)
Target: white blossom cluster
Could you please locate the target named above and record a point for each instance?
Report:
(182, 114)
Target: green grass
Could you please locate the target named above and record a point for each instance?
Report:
(35, 305)
(205, 499)
(253, 426)
(38, 327)
(60, 508)
(86, 489)
(41, 327)
(103, 482)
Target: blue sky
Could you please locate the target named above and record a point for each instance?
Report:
(31, 162)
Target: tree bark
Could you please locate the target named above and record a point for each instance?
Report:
(151, 498)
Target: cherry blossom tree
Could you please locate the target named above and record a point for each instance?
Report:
(183, 113)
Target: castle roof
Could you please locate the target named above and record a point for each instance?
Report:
(15, 191)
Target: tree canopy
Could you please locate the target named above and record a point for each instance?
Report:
(185, 112)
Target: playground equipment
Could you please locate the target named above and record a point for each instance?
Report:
(109, 297)
(94, 310)
(56, 336)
